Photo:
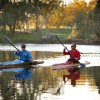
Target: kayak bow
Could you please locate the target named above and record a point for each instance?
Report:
(20, 65)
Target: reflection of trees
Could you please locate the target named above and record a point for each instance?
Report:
(2, 56)
(5, 81)
(87, 78)
(39, 55)
(9, 55)
(41, 80)
(91, 77)
(44, 79)
(95, 71)
(6, 56)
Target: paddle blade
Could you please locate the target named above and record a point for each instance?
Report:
(82, 65)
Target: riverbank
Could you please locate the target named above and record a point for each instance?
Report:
(69, 41)
(44, 38)
(53, 41)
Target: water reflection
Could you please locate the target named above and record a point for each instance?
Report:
(44, 82)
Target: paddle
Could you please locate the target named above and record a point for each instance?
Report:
(11, 43)
(68, 50)
(81, 64)
(61, 43)
(90, 53)
(15, 46)
(59, 40)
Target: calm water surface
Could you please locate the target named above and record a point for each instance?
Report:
(44, 82)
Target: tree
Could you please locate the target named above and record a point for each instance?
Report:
(3, 3)
(27, 9)
(97, 19)
(98, 4)
(10, 15)
(93, 24)
(83, 19)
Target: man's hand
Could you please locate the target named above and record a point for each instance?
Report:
(65, 48)
(76, 58)
(37, 62)
(18, 50)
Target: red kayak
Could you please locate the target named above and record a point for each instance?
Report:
(68, 64)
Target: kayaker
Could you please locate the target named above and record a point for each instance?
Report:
(74, 72)
(74, 53)
(24, 54)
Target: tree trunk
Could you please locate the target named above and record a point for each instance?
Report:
(2, 3)
(37, 23)
(12, 28)
(98, 4)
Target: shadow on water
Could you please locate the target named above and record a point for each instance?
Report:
(43, 80)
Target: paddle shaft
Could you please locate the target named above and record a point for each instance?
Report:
(11, 43)
(68, 50)
(59, 40)
(63, 44)
(90, 53)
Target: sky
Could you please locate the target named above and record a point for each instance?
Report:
(70, 1)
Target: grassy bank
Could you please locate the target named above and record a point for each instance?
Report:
(45, 36)
(34, 37)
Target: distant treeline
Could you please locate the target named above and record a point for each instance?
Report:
(32, 16)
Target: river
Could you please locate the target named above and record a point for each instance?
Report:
(44, 81)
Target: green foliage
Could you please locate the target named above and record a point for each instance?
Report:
(20, 37)
(27, 14)
(80, 24)
(21, 12)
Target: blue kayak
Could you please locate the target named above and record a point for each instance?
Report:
(22, 73)
(23, 69)
(11, 63)
(18, 64)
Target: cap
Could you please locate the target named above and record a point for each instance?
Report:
(73, 45)
(23, 45)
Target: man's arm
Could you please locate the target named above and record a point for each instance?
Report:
(17, 53)
(64, 51)
(78, 56)
(30, 57)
